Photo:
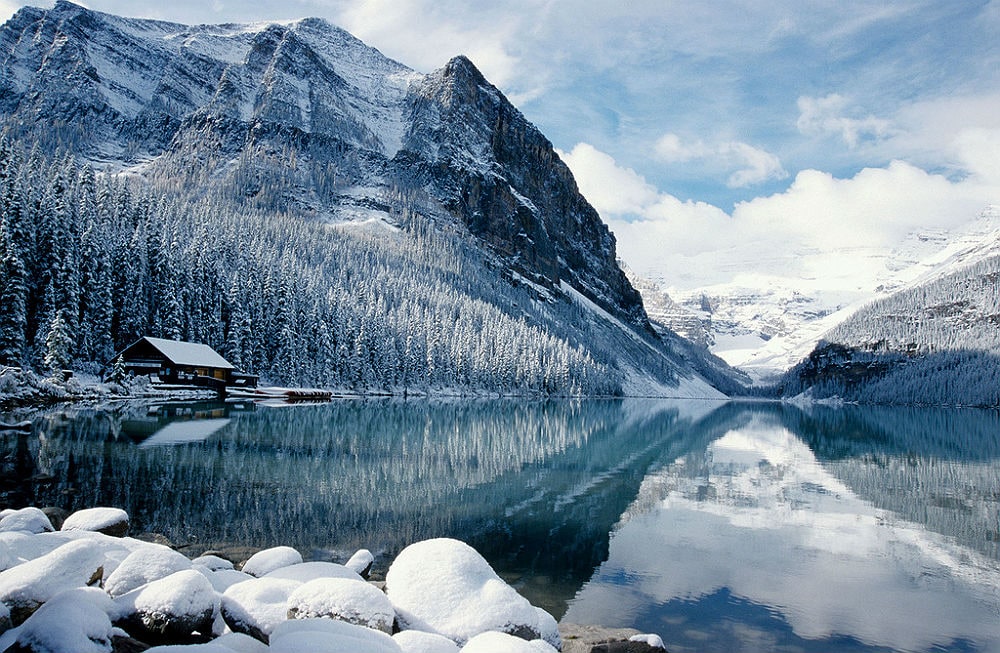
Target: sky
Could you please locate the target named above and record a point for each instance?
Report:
(717, 132)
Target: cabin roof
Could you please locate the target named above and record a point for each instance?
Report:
(192, 354)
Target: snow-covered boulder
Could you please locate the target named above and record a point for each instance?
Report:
(329, 636)
(307, 571)
(548, 629)
(650, 639)
(223, 579)
(255, 607)
(361, 563)
(228, 643)
(496, 642)
(212, 562)
(418, 641)
(241, 643)
(28, 520)
(174, 606)
(355, 602)
(110, 521)
(27, 586)
(145, 565)
(76, 620)
(444, 586)
(266, 561)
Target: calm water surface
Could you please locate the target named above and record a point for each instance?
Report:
(722, 527)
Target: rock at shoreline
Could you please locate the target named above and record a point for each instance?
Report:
(255, 607)
(352, 601)
(495, 642)
(27, 586)
(172, 607)
(329, 636)
(110, 521)
(307, 571)
(268, 560)
(145, 565)
(596, 639)
(361, 563)
(27, 520)
(440, 595)
(76, 620)
(418, 641)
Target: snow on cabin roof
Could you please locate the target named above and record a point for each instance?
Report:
(189, 353)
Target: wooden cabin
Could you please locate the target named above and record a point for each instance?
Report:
(185, 363)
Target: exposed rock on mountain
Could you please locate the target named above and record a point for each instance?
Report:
(301, 119)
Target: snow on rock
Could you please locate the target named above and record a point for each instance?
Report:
(255, 607)
(268, 560)
(228, 643)
(548, 629)
(223, 579)
(212, 562)
(468, 596)
(307, 571)
(361, 562)
(174, 606)
(28, 520)
(418, 641)
(145, 565)
(329, 636)
(76, 620)
(496, 642)
(27, 586)
(650, 639)
(110, 521)
(345, 600)
(241, 643)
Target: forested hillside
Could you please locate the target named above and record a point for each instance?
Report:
(937, 342)
(99, 261)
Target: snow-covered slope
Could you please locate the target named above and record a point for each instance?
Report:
(301, 119)
(766, 323)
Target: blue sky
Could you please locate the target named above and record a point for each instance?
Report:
(706, 127)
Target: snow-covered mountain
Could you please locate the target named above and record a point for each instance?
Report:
(304, 121)
(934, 341)
(765, 323)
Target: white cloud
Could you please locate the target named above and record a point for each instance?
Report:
(830, 115)
(819, 221)
(749, 165)
(425, 36)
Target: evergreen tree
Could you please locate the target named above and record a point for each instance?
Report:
(13, 295)
(58, 344)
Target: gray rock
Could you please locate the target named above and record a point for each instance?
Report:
(172, 607)
(597, 639)
(110, 521)
(353, 601)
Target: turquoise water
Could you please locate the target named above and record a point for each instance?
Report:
(720, 526)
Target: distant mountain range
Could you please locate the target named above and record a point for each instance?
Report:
(362, 224)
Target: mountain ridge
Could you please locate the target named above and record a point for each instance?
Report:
(302, 119)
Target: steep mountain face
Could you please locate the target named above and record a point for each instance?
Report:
(301, 119)
(229, 101)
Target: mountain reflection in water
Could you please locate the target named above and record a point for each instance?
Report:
(719, 526)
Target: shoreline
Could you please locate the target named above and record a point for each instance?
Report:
(85, 559)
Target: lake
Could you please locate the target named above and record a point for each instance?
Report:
(719, 526)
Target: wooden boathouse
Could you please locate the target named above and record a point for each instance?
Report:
(182, 363)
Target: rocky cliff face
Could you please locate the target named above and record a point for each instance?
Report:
(340, 131)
